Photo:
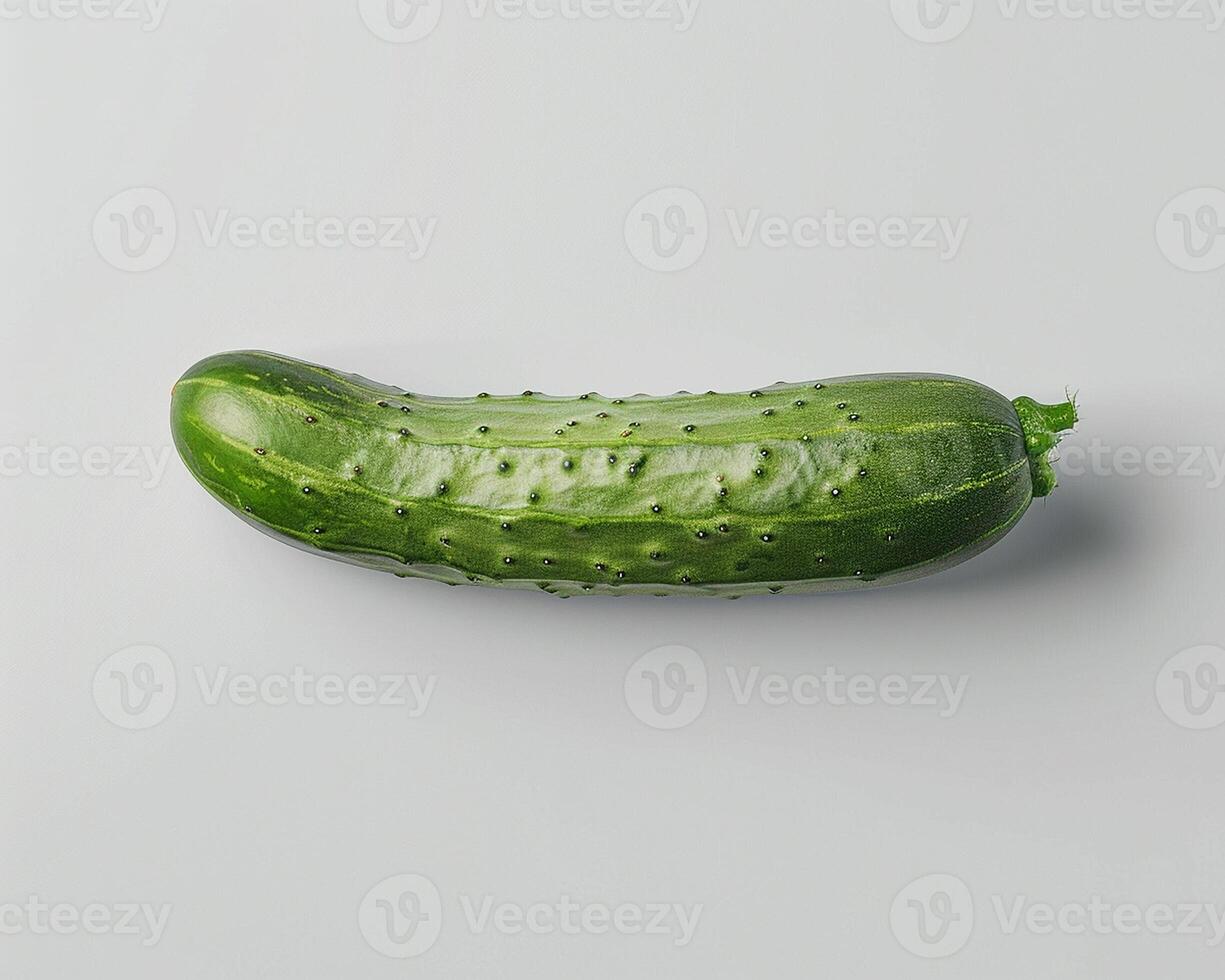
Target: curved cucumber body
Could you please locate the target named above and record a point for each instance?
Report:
(796, 487)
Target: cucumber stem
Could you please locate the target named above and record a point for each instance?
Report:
(1043, 425)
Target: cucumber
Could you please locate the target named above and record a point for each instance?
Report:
(818, 486)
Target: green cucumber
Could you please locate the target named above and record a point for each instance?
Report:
(797, 487)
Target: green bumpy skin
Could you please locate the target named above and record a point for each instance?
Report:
(797, 487)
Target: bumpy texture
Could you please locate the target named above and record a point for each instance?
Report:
(796, 487)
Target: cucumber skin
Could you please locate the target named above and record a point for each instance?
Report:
(820, 486)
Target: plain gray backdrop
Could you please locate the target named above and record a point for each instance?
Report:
(622, 197)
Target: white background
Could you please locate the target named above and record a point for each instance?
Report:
(1070, 768)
